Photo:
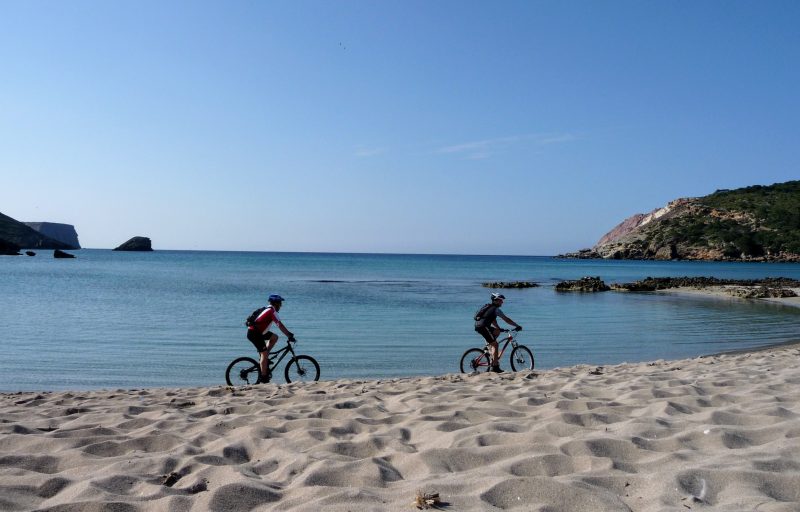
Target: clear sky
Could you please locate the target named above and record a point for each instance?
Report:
(387, 126)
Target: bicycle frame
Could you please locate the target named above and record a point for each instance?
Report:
(279, 355)
(511, 338)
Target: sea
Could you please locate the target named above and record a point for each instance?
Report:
(129, 320)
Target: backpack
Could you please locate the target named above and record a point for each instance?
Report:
(482, 311)
(251, 320)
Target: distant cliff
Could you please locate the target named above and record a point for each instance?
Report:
(758, 223)
(62, 232)
(26, 237)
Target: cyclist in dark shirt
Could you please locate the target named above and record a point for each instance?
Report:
(487, 326)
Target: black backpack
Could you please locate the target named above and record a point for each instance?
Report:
(482, 311)
(251, 320)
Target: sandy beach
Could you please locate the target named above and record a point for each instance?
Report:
(713, 433)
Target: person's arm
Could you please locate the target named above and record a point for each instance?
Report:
(509, 321)
(285, 331)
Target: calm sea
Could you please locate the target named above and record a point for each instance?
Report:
(176, 318)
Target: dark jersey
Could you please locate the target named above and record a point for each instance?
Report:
(489, 316)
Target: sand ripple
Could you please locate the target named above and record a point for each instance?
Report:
(716, 433)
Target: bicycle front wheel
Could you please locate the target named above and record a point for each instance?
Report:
(243, 371)
(475, 360)
(521, 358)
(301, 368)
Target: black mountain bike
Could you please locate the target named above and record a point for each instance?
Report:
(477, 359)
(245, 371)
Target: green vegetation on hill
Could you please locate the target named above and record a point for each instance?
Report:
(753, 221)
(776, 213)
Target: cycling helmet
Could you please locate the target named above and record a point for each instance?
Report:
(496, 296)
(275, 298)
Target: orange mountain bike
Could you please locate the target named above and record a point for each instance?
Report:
(479, 359)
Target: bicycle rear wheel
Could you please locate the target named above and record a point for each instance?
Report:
(243, 371)
(301, 368)
(521, 358)
(475, 360)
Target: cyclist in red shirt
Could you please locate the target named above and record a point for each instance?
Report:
(260, 335)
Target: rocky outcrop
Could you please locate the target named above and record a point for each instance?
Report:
(61, 254)
(30, 253)
(64, 233)
(651, 284)
(8, 248)
(510, 284)
(584, 284)
(137, 243)
(11, 230)
(583, 254)
(762, 292)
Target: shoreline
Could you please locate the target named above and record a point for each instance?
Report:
(717, 432)
(722, 292)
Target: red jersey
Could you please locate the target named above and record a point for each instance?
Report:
(265, 320)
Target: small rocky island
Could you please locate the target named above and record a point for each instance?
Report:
(584, 284)
(58, 253)
(510, 284)
(137, 243)
(8, 248)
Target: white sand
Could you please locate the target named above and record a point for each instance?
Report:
(716, 433)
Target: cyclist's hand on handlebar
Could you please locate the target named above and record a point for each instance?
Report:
(518, 328)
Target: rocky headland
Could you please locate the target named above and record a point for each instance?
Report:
(62, 232)
(24, 236)
(758, 223)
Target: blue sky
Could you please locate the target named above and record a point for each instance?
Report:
(415, 127)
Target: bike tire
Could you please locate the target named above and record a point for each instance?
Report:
(521, 358)
(243, 371)
(473, 360)
(301, 368)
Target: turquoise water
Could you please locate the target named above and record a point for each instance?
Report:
(175, 318)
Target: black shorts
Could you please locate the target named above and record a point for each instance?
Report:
(258, 339)
(487, 333)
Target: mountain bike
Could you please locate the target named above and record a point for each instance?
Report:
(477, 359)
(245, 371)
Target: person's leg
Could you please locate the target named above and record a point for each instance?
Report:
(257, 339)
(273, 339)
(263, 361)
(493, 354)
(270, 339)
(490, 342)
(495, 349)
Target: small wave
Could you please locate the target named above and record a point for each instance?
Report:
(362, 281)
